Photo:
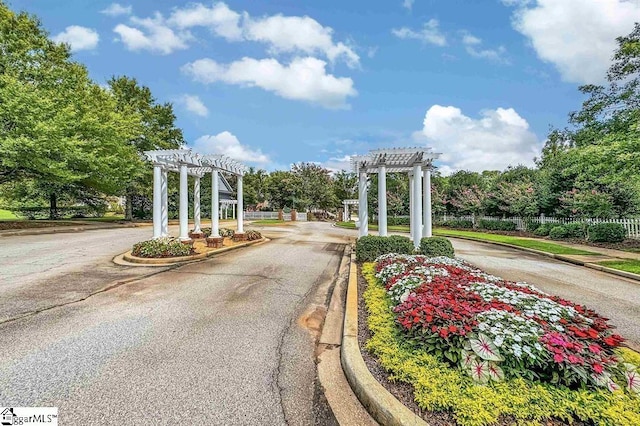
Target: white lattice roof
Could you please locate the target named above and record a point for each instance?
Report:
(197, 164)
(395, 159)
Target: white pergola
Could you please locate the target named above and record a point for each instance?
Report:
(187, 163)
(346, 216)
(418, 163)
(226, 204)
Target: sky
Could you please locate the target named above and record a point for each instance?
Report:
(284, 81)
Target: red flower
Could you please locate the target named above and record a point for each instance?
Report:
(558, 358)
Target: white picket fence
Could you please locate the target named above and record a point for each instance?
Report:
(631, 225)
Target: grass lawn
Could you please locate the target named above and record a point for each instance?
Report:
(7, 215)
(632, 266)
(268, 222)
(482, 236)
(520, 242)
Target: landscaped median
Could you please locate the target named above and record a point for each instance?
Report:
(170, 251)
(480, 350)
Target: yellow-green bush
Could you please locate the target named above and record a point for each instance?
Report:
(438, 387)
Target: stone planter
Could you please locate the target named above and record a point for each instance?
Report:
(239, 236)
(215, 242)
(188, 242)
(196, 235)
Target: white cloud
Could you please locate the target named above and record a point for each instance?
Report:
(152, 34)
(499, 138)
(79, 38)
(408, 4)
(286, 34)
(219, 19)
(473, 47)
(430, 33)
(226, 143)
(335, 164)
(116, 9)
(576, 36)
(282, 34)
(303, 79)
(193, 104)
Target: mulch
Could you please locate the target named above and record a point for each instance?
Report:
(404, 391)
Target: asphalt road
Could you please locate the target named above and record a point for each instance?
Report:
(215, 342)
(614, 297)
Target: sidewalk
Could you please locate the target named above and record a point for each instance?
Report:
(78, 226)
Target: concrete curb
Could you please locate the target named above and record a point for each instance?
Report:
(170, 261)
(65, 229)
(560, 257)
(380, 403)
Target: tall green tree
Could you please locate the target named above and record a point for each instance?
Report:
(155, 129)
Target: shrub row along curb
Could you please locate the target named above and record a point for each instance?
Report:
(560, 257)
(165, 261)
(380, 403)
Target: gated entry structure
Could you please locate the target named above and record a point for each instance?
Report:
(187, 163)
(418, 163)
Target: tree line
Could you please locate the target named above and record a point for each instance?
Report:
(67, 140)
(63, 137)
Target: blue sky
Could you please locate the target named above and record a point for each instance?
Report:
(272, 83)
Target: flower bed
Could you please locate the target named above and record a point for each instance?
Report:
(477, 329)
(162, 247)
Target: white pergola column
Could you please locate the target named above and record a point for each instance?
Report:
(382, 200)
(417, 205)
(344, 212)
(196, 204)
(362, 204)
(184, 203)
(215, 204)
(240, 206)
(157, 201)
(411, 218)
(233, 211)
(426, 206)
(164, 200)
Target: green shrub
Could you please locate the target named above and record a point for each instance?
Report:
(531, 225)
(607, 233)
(252, 235)
(162, 247)
(458, 223)
(543, 230)
(576, 230)
(398, 221)
(436, 246)
(558, 232)
(369, 247)
(205, 231)
(497, 225)
(226, 232)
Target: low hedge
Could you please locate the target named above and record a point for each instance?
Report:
(543, 230)
(458, 223)
(576, 230)
(558, 232)
(606, 233)
(369, 247)
(436, 246)
(398, 221)
(162, 247)
(497, 225)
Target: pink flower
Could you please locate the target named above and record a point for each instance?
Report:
(558, 358)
